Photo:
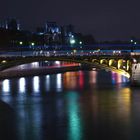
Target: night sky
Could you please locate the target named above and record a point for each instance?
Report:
(104, 19)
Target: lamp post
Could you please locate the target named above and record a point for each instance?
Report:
(21, 43)
(32, 46)
(133, 44)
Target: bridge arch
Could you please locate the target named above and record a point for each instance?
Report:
(104, 61)
(112, 62)
(95, 62)
(128, 65)
(120, 63)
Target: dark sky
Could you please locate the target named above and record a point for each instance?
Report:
(105, 19)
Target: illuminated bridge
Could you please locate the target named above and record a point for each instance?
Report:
(127, 65)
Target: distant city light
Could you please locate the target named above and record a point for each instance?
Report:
(135, 43)
(80, 42)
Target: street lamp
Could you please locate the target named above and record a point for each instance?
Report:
(32, 43)
(21, 43)
(72, 41)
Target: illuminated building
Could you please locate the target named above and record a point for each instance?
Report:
(52, 27)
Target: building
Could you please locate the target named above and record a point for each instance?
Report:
(12, 24)
(2, 25)
(52, 27)
(54, 32)
(67, 33)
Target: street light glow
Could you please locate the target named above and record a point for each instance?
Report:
(32, 43)
(72, 41)
(20, 42)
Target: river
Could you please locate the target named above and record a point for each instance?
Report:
(82, 105)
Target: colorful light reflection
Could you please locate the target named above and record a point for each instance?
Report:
(74, 117)
(36, 84)
(22, 84)
(47, 82)
(6, 85)
(59, 82)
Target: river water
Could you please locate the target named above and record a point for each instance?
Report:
(83, 105)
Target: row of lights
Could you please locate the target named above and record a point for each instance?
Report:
(21, 43)
(72, 42)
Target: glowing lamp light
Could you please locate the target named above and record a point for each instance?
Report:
(4, 61)
(20, 42)
(72, 41)
(135, 43)
(134, 61)
(32, 43)
(131, 40)
(74, 51)
(80, 42)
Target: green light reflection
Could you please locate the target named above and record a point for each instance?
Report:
(75, 125)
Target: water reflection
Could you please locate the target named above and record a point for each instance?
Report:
(6, 86)
(117, 78)
(29, 120)
(75, 125)
(22, 85)
(47, 83)
(81, 79)
(93, 77)
(113, 77)
(59, 82)
(124, 103)
(36, 84)
(79, 111)
(70, 80)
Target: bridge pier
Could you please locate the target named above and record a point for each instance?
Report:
(135, 74)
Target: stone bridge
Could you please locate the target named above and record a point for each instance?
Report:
(123, 64)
